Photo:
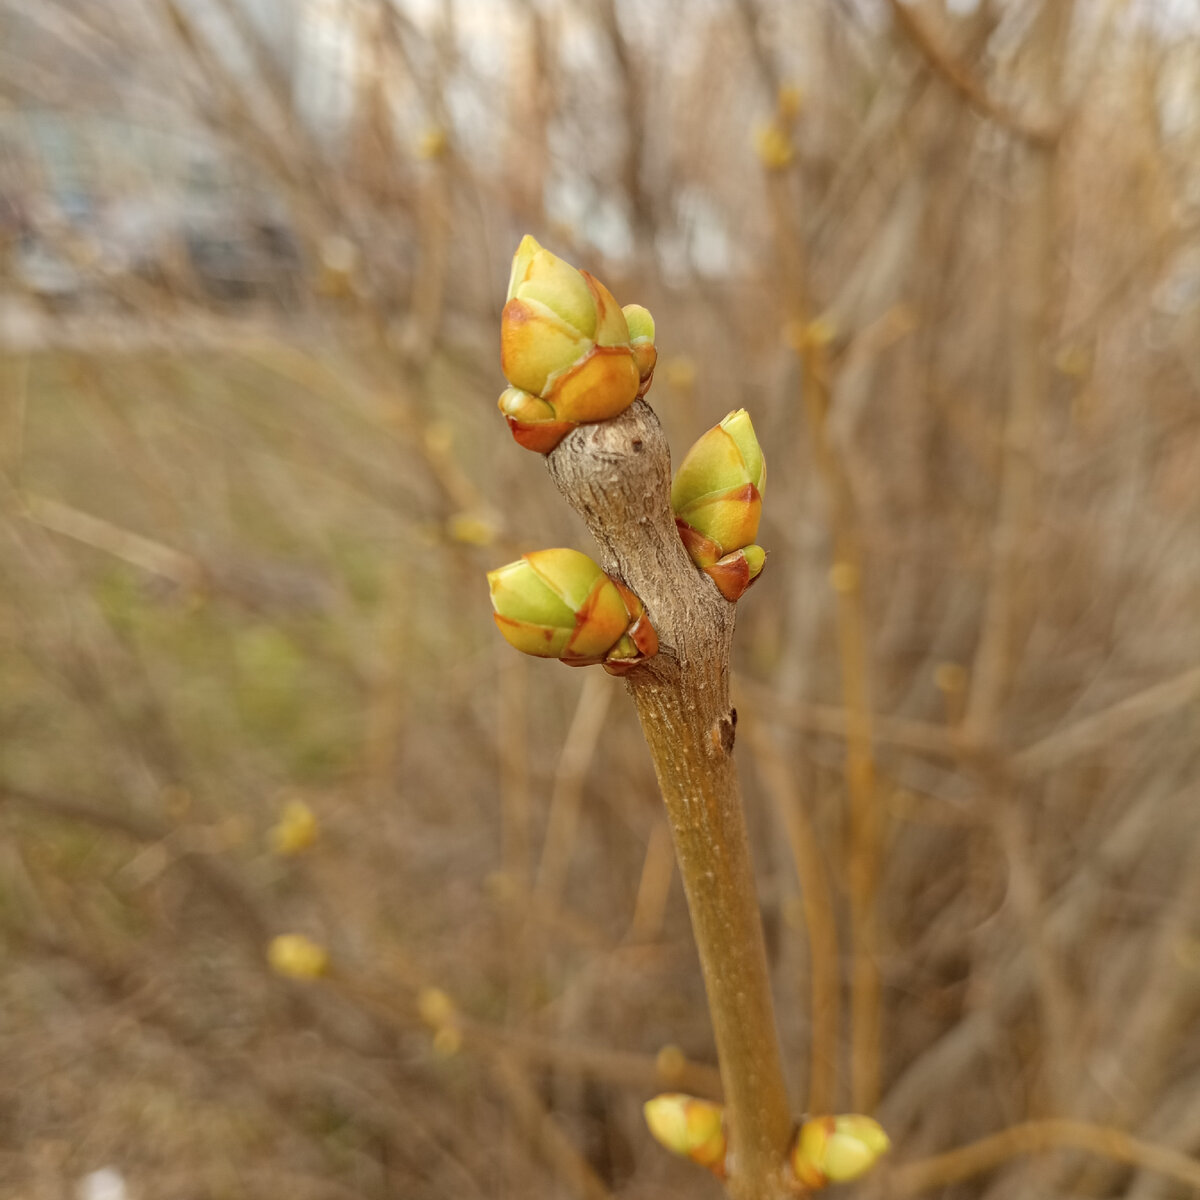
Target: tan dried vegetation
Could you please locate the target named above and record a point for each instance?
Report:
(251, 474)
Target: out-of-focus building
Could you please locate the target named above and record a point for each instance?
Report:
(107, 169)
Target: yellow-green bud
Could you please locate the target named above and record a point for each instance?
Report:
(435, 1007)
(565, 341)
(560, 604)
(295, 831)
(717, 498)
(294, 956)
(837, 1149)
(689, 1127)
(641, 338)
(773, 144)
(532, 420)
(541, 277)
(640, 322)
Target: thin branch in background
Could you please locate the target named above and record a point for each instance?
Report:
(867, 820)
(566, 798)
(1007, 599)
(512, 743)
(633, 102)
(1056, 998)
(768, 72)
(1038, 1137)
(553, 1144)
(963, 81)
(903, 734)
(141, 552)
(387, 707)
(208, 868)
(820, 917)
(638, 1072)
(1099, 730)
(1033, 267)
(654, 885)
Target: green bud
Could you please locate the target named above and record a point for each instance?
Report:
(689, 1127)
(641, 338)
(739, 427)
(640, 322)
(611, 327)
(543, 277)
(640, 641)
(725, 458)
(755, 558)
(565, 341)
(523, 406)
(560, 604)
(717, 498)
(532, 420)
(837, 1149)
(537, 344)
(294, 956)
(596, 387)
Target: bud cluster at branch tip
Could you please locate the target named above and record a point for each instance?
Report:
(836, 1149)
(717, 498)
(568, 350)
(689, 1127)
(560, 604)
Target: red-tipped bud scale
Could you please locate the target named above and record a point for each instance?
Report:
(734, 573)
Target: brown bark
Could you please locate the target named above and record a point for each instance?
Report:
(616, 475)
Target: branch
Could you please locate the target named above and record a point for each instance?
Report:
(961, 80)
(1102, 728)
(1034, 1137)
(820, 914)
(208, 869)
(616, 475)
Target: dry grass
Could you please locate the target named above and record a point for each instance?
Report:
(242, 549)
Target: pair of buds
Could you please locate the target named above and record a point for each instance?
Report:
(825, 1150)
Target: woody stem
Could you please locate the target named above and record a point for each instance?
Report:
(616, 475)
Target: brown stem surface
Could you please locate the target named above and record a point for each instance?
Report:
(616, 475)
